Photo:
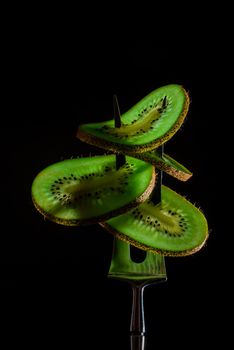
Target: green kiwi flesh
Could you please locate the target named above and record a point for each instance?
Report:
(166, 163)
(87, 190)
(174, 227)
(147, 125)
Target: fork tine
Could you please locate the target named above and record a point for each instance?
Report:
(120, 158)
(156, 195)
(120, 256)
(117, 115)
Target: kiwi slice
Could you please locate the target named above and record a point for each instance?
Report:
(88, 190)
(146, 126)
(166, 163)
(174, 227)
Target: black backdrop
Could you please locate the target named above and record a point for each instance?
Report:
(54, 279)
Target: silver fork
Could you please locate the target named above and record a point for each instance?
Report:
(140, 275)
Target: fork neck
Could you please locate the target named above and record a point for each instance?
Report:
(137, 326)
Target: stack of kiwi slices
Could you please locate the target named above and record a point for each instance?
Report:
(123, 191)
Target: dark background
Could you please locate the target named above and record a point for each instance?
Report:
(54, 279)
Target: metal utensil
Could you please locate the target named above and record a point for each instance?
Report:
(140, 275)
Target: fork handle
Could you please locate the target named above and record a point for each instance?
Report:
(137, 342)
(137, 325)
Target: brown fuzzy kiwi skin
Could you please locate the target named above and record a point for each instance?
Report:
(137, 201)
(142, 246)
(160, 165)
(131, 150)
